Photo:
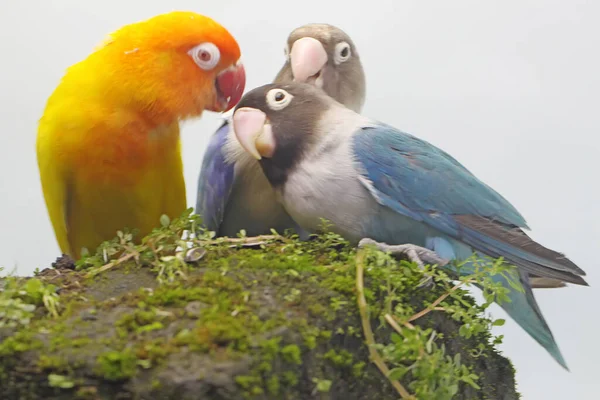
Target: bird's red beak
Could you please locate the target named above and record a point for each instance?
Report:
(229, 86)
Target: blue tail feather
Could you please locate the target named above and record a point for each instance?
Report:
(522, 308)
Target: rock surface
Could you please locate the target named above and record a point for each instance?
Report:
(276, 322)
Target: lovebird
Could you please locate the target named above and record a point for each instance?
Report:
(378, 185)
(233, 193)
(108, 145)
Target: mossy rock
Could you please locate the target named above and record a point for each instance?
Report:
(276, 321)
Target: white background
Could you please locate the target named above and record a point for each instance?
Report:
(510, 88)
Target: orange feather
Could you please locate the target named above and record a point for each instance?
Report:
(108, 142)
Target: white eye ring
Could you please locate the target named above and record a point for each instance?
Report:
(286, 52)
(342, 52)
(205, 55)
(278, 99)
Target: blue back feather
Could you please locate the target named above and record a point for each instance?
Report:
(411, 173)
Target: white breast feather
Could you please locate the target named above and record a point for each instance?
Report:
(327, 175)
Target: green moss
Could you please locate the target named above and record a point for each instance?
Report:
(153, 352)
(290, 378)
(50, 362)
(251, 385)
(322, 385)
(117, 365)
(292, 354)
(172, 295)
(141, 321)
(340, 358)
(80, 342)
(270, 347)
(273, 385)
(86, 393)
(312, 335)
(289, 307)
(317, 310)
(358, 369)
(155, 384)
(60, 381)
(20, 342)
(246, 382)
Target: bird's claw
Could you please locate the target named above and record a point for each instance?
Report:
(414, 253)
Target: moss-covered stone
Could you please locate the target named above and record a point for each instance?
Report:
(278, 321)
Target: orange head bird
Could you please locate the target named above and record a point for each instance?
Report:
(108, 142)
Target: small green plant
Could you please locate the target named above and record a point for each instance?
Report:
(20, 297)
(413, 352)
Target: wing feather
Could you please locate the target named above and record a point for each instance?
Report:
(215, 181)
(418, 180)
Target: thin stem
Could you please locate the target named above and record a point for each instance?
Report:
(392, 321)
(369, 337)
(242, 240)
(110, 265)
(433, 305)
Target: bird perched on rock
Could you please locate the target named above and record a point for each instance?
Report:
(108, 144)
(378, 185)
(233, 193)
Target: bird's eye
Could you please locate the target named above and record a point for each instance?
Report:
(342, 52)
(205, 55)
(278, 99)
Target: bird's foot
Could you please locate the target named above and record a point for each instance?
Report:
(417, 254)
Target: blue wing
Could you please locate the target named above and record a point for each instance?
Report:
(420, 181)
(215, 181)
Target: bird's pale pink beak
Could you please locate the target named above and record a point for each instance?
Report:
(307, 57)
(229, 85)
(254, 132)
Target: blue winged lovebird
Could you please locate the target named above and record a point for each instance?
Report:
(378, 185)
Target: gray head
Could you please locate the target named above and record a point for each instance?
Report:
(325, 56)
(278, 123)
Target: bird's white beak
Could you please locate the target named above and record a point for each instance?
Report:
(308, 57)
(254, 132)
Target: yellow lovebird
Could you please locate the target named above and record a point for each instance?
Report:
(108, 145)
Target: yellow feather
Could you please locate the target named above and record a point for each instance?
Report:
(92, 191)
(108, 143)
(96, 211)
